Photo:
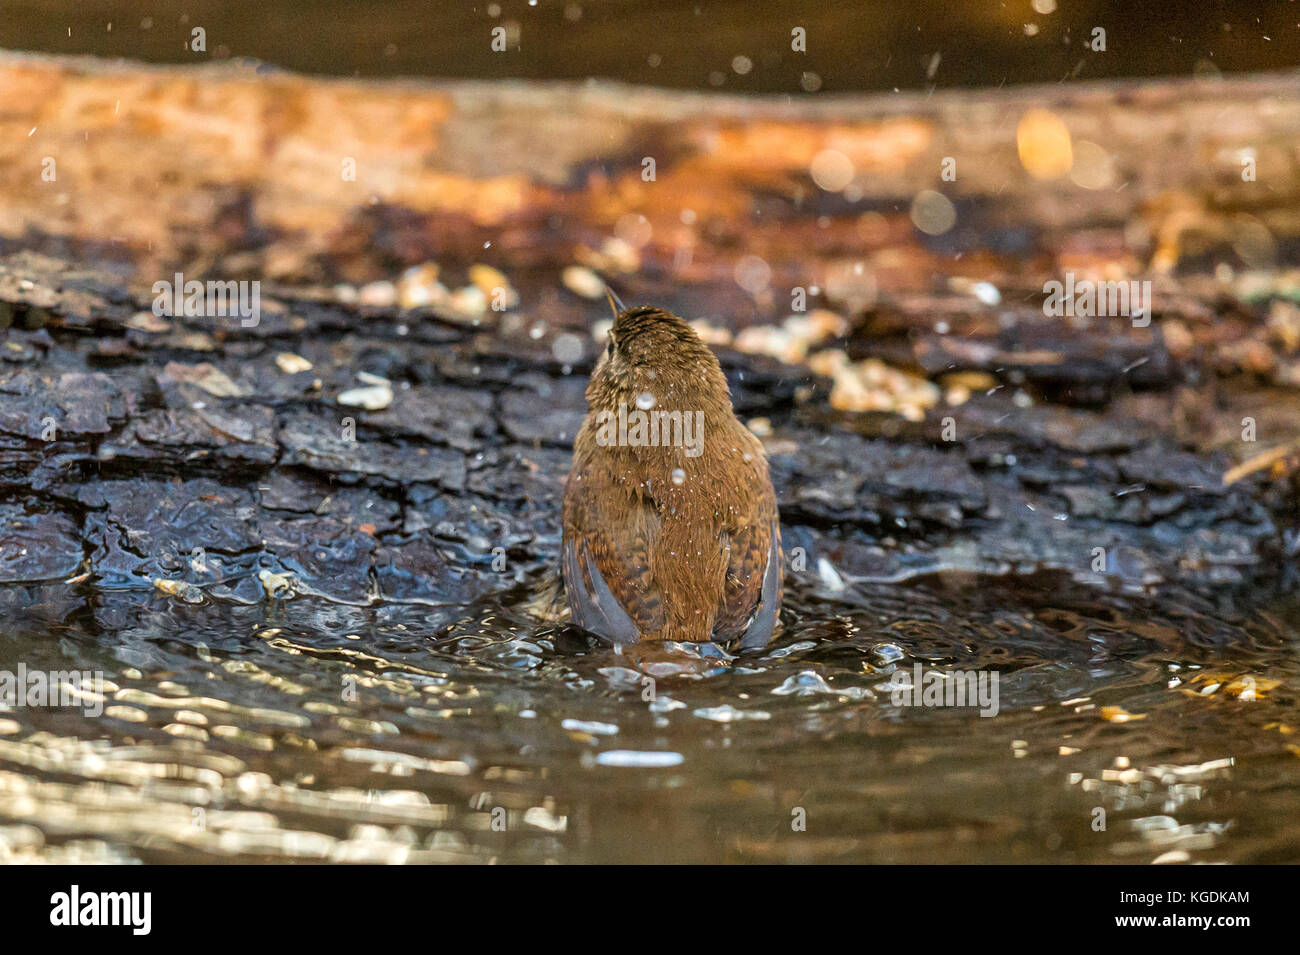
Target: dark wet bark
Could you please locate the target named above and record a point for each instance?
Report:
(185, 453)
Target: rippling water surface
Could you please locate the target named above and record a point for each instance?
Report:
(1128, 731)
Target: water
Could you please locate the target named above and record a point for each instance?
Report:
(306, 730)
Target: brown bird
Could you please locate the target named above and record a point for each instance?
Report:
(670, 524)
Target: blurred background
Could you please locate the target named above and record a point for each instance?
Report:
(734, 45)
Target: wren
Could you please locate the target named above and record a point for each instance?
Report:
(670, 523)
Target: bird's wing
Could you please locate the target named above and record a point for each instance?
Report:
(752, 593)
(605, 559)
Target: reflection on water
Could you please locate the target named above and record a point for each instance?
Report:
(310, 731)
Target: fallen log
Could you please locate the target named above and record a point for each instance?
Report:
(201, 458)
(282, 176)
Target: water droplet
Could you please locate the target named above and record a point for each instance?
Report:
(804, 683)
(645, 401)
(888, 652)
(679, 476)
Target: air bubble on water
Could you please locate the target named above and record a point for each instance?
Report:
(887, 652)
(665, 704)
(645, 401)
(726, 713)
(679, 476)
(621, 677)
(804, 683)
(792, 648)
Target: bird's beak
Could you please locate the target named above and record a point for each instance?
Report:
(615, 302)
